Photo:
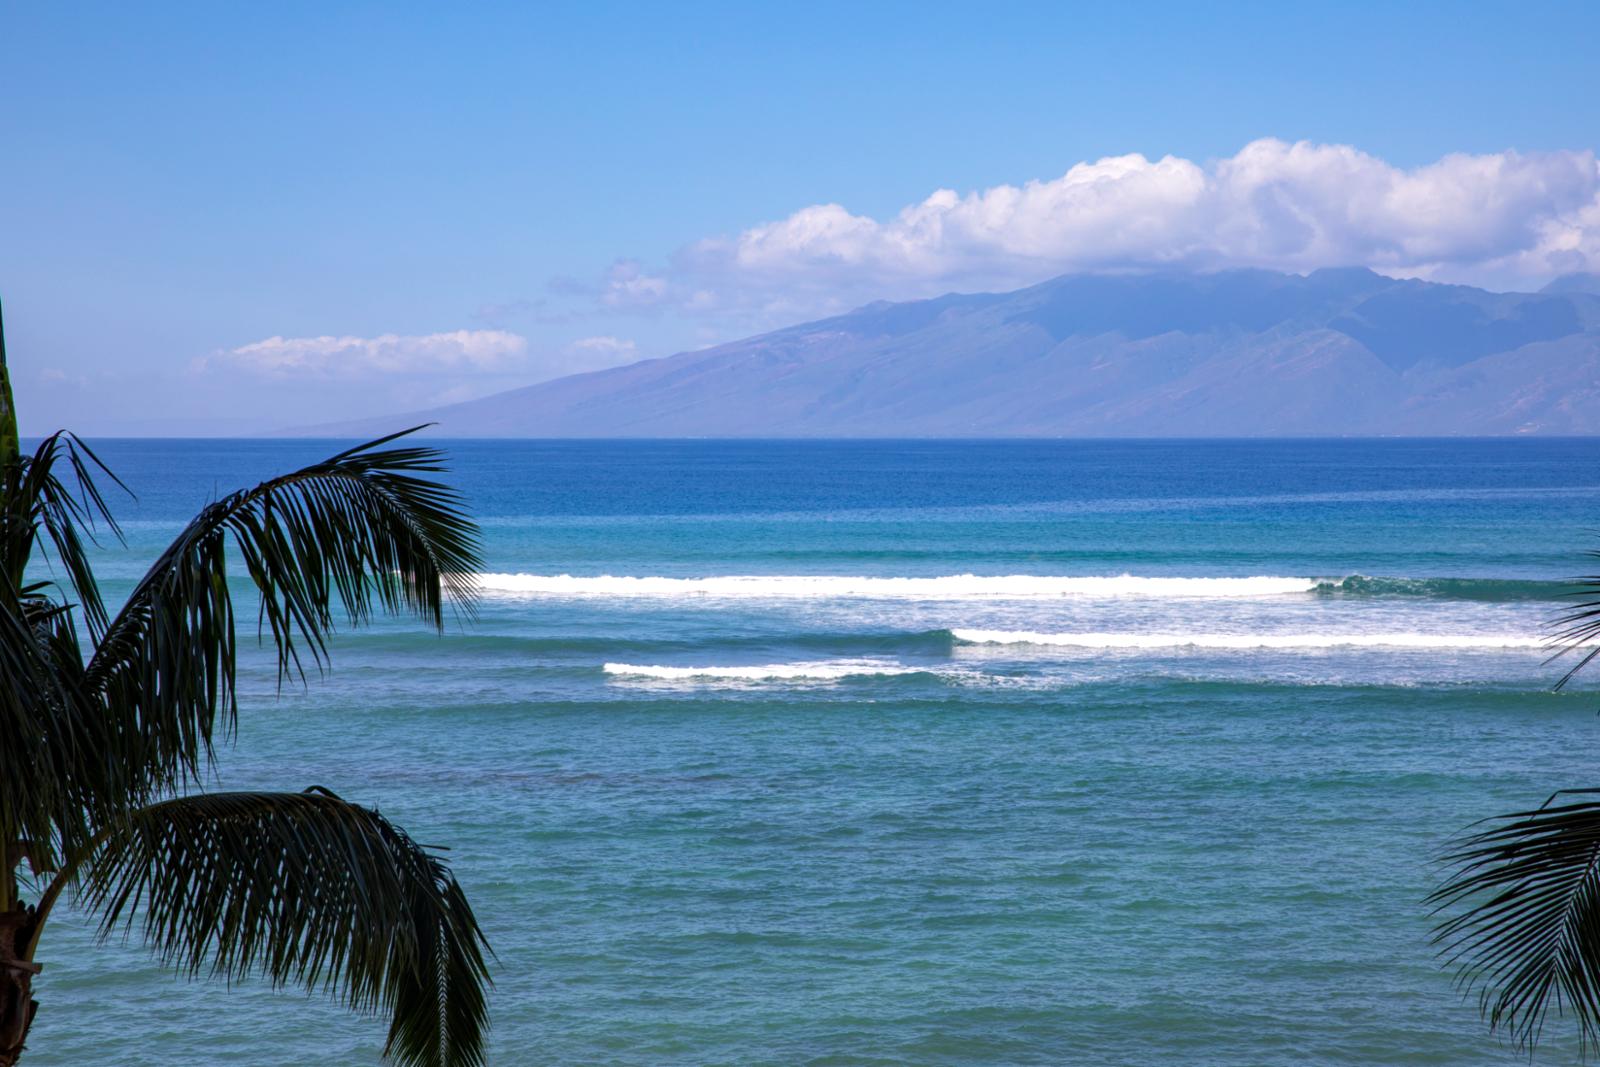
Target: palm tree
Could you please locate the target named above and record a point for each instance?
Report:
(1525, 892)
(109, 721)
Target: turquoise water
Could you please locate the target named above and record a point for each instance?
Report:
(954, 775)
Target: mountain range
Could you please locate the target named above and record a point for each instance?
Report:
(1233, 353)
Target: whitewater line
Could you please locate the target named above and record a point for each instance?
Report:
(1246, 641)
(826, 671)
(945, 587)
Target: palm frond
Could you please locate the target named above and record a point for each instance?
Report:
(1576, 632)
(309, 889)
(1528, 936)
(362, 530)
(59, 770)
(33, 498)
(40, 741)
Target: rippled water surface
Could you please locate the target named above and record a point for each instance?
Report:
(945, 753)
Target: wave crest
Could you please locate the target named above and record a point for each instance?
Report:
(1494, 590)
(1245, 641)
(945, 587)
(822, 671)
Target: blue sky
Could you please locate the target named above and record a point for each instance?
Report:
(224, 218)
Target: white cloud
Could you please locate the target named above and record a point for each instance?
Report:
(1501, 217)
(606, 346)
(54, 376)
(367, 357)
(628, 287)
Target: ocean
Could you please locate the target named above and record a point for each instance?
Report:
(1060, 752)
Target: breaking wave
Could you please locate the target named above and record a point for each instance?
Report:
(1246, 641)
(1007, 587)
(822, 671)
(946, 587)
(1483, 589)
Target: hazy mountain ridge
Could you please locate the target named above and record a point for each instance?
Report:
(1235, 353)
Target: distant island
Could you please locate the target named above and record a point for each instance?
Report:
(1233, 353)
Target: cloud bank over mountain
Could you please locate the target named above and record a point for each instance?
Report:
(1504, 219)
(1508, 221)
(1170, 353)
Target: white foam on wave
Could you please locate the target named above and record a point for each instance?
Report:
(820, 671)
(1246, 641)
(829, 586)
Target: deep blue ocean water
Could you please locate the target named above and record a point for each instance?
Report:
(916, 752)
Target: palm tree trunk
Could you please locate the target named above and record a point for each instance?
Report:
(9, 444)
(17, 1006)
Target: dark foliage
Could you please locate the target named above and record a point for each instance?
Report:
(106, 732)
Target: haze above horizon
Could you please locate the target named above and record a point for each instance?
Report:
(247, 219)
